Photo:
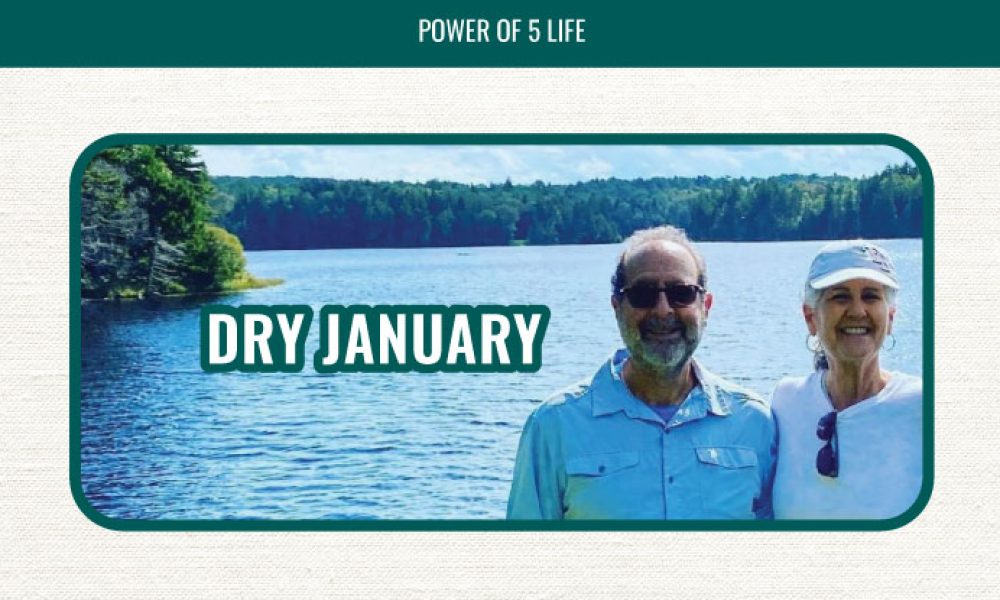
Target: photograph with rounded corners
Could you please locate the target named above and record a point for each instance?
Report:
(501, 332)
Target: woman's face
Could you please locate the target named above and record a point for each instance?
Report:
(851, 320)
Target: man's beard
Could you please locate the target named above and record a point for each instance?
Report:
(662, 355)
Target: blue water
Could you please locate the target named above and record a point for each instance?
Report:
(161, 439)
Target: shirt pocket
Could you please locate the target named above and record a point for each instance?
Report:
(603, 486)
(729, 481)
(598, 465)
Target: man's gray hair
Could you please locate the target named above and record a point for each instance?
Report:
(665, 233)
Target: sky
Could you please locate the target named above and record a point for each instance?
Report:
(551, 164)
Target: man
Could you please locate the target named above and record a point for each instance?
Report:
(654, 435)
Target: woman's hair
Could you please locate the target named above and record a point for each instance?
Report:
(811, 296)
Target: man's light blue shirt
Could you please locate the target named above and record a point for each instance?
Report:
(595, 451)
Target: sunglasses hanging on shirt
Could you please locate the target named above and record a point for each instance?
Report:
(827, 461)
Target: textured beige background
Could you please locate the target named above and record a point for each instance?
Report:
(48, 549)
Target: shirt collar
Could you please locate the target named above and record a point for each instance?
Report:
(718, 404)
(612, 395)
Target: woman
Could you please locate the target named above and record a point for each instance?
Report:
(850, 434)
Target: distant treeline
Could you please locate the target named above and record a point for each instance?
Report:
(299, 213)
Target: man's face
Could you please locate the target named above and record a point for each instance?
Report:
(661, 337)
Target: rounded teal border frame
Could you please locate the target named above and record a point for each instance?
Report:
(816, 139)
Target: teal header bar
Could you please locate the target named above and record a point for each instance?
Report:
(511, 33)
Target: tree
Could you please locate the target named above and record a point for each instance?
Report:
(214, 257)
(143, 212)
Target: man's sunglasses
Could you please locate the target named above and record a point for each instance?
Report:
(827, 461)
(646, 295)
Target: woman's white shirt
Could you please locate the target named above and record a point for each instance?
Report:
(880, 448)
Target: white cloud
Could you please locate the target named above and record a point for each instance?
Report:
(593, 167)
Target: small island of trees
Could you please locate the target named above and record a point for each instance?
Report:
(144, 227)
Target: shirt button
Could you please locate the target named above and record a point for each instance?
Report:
(670, 479)
(600, 469)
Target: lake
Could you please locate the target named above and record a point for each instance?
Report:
(161, 439)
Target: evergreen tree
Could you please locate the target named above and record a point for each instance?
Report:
(144, 228)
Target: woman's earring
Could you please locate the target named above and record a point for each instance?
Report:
(892, 336)
(812, 343)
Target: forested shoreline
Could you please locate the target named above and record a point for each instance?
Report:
(269, 213)
(155, 223)
(144, 227)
